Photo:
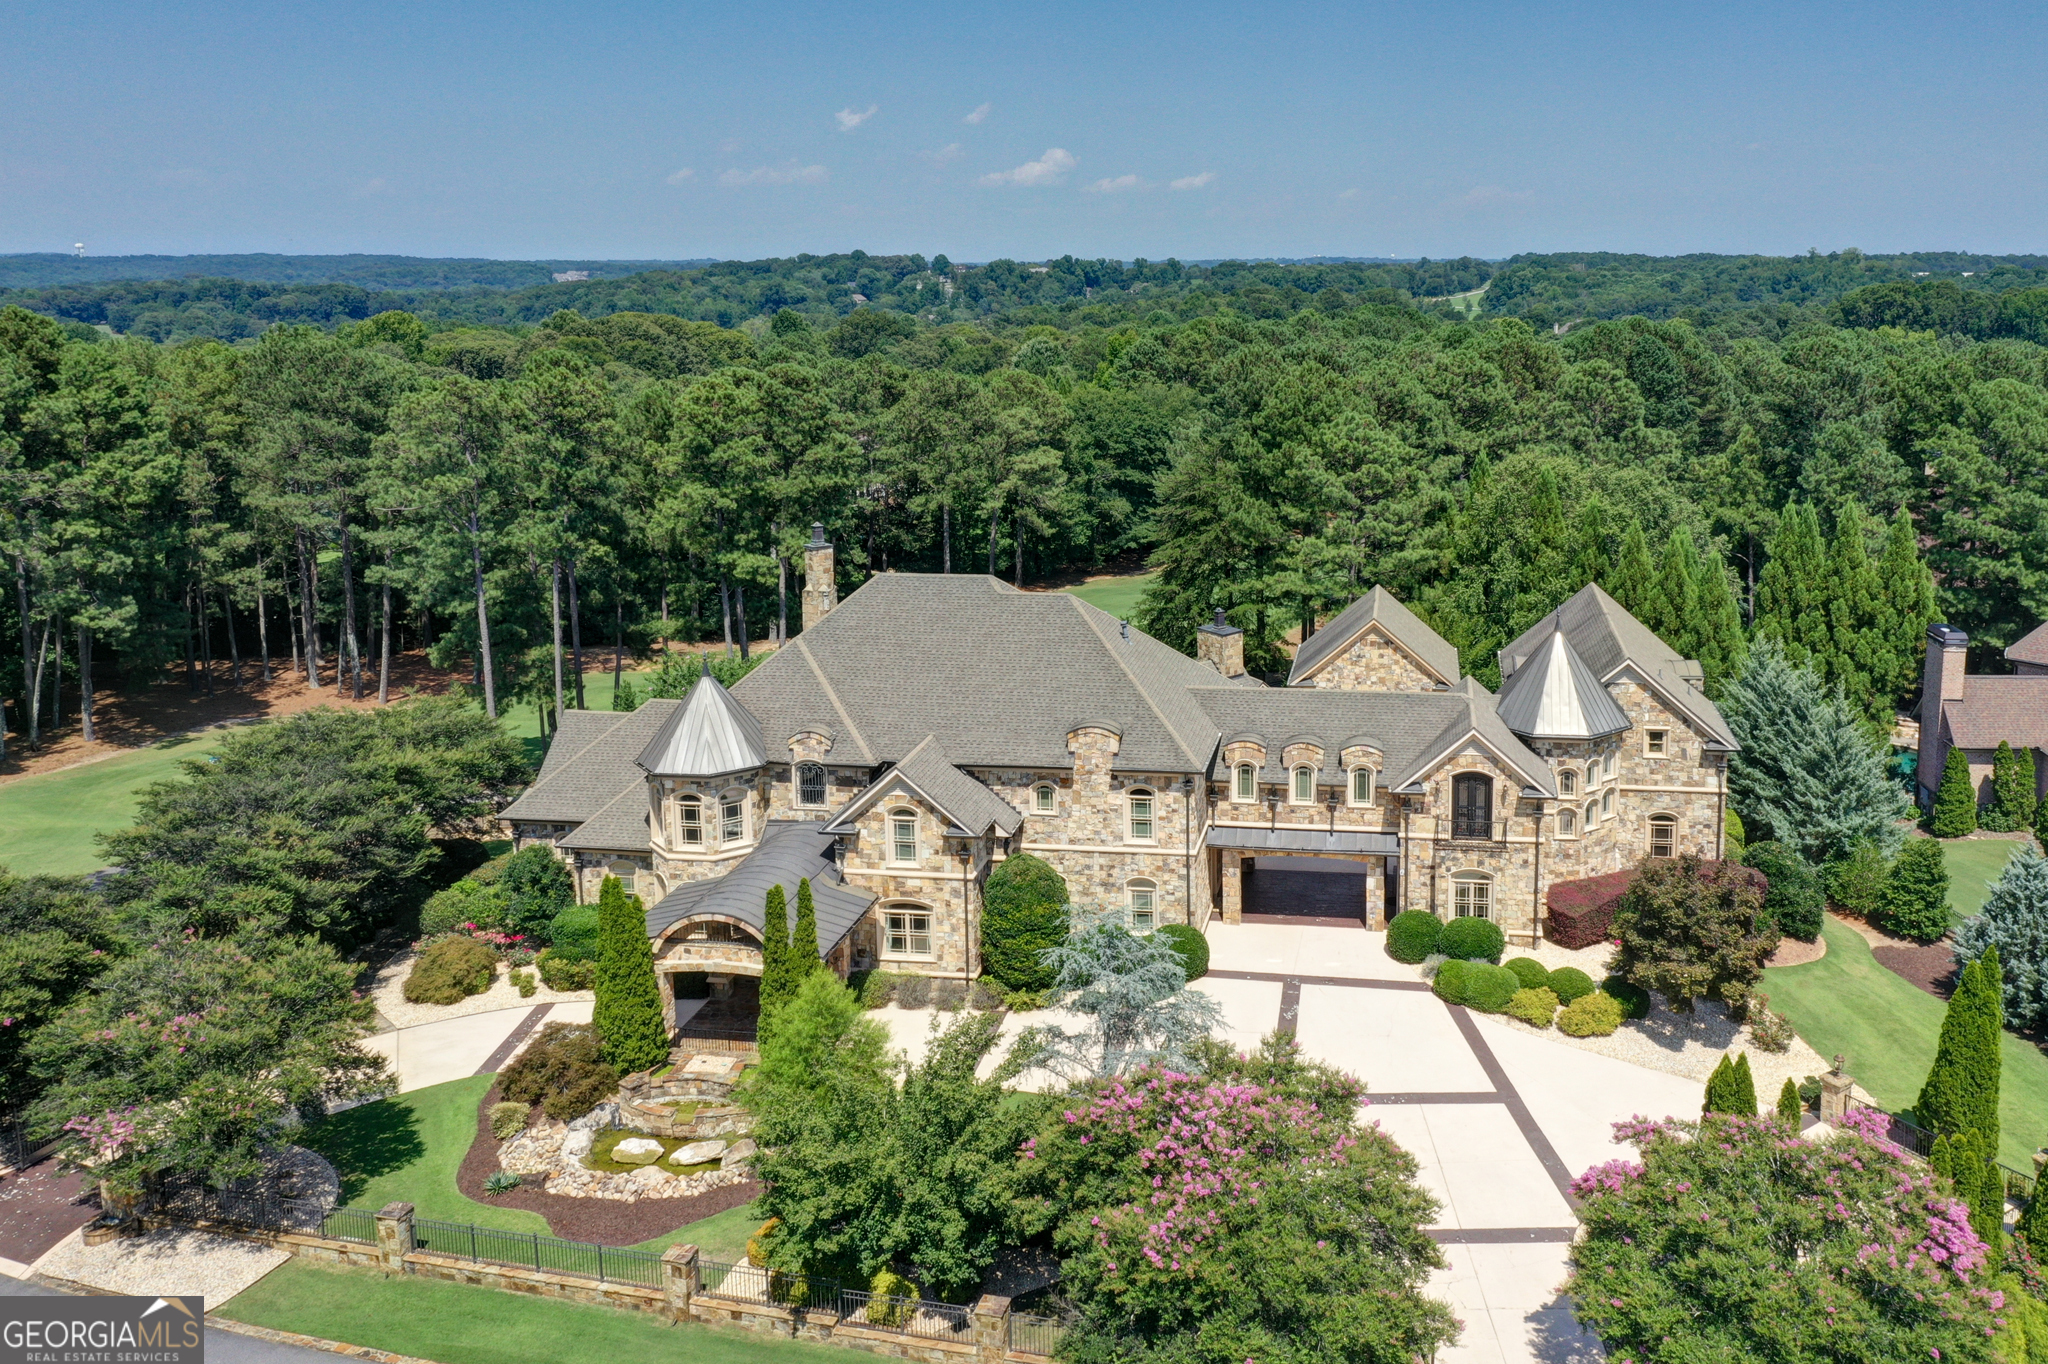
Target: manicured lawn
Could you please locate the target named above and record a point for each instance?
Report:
(721, 1236)
(50, 819)
(1846, 1003)
(1118, 596)
(407, 1149)
(458, 1324)
(1973, 864)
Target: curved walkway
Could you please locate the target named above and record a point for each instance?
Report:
(474, 1044)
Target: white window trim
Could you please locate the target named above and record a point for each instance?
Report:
(916, 840)
(1568, 781)
(1650, 835)
(1372, 787)
(1656, 743)
(921, 911)
(683, 825)
(725, 839)
(1052, 807)
(1472, 878)
(1131, 798)
(1294, 796)
(1132, 888)
(1238, 795)
(626, 881)
(1568, 822)
(1607, 805)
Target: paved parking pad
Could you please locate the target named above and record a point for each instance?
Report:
(1250, 1008)
(1397, 1041)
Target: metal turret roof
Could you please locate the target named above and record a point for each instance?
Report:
(709, 735)
(1554, 695)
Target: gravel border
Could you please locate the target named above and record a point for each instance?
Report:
(172, 1262)
(388, 990)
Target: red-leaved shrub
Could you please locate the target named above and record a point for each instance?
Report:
(1582, 912)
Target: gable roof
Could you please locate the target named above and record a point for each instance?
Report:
(589, 763)
(1377, 607)
(931, 776)
(1608, 639)
(1554, 695)
(708, 735)
(789, 851)
(1999, 708)
(2032, 647)
(996, 676)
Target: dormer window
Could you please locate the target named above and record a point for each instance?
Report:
(732, 820)
(1141, 808)
(1361, 785)
(1304, 785)
(690, 821)
(1044, 799)
(1247, 782)
(810, 784)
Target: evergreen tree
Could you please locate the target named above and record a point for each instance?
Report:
(2014, 923)
(1634, 581)
(2033, 1223)
(1742, 1087)
(1792, 594)
(1955, 800)
(1915, 897)
(627, 1016)
(1718, 642)
(803, 959)
(1858, 656)
(777, 980)
(1961, 1093)
(2012, 790)
(1964, 1158)
(1591, 564)
(1674, 605)
(1790, 1107)
(1907, 592)
(1717, 1088)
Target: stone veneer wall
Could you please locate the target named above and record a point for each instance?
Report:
(935, 882)
(1374, 662)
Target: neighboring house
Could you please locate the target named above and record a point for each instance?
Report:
(1977, 711)
(930, 726)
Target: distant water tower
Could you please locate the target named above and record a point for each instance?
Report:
(78, 248)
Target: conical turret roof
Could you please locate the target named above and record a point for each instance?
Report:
(709, 735)
(1555, 696)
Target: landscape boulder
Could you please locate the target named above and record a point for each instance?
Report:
(577, 1144)
(602, 1118)
(637, 1151)
(740, 1152)
(697, 1153)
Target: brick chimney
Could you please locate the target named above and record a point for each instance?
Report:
(1221, 645)
(1941, 680)
(821, 592)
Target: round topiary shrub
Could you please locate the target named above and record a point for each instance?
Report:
(1451, 981)
(1023, 912)
(1634, 1000)
(1472, 939)
(572, 933)
(566, 974)
(1533, 974)
(1594, 1015)
(1412, 935)
(1191, 947)
(1569, 983)
(508, 1119)
(451, 970)
(1536, 1007)
(1489, 988)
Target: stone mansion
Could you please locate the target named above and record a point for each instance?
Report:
(929, 726)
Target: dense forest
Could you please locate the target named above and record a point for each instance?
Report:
(43, 269)
(1271, 438)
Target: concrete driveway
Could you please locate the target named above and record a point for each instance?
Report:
(474, 1044)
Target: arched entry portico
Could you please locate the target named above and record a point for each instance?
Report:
(710, 969)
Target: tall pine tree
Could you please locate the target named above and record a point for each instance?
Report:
(1907, 591)
(1674, 605)
(1718, 642)
(1961, 1093)
(1792, 595)
(1634, 580)
(1859, 655)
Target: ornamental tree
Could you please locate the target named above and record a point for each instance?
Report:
(628, 1014)
(1961, 1093)
(1134, 992)
(2015, 922)
(1239, 1214)
(1853, 1253)
(1955, 799)
(1691, 929)
(1023, 912)
(1915, 900)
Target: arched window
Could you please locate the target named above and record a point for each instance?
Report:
(624, 871)
(906, 931)
(1304, 785)
(1471, 806)
(1044, 799)
(1361, 785)
(810, 784)
(1140, 894)
(1607, 767)
(1663, 836)
(903, 836)
(732, 820)
(1606, 804)
(1568, 822)
(1141, 803)
(1592, 814)
(1247, 782)
(1567, 783)
(690, 821)
(1471, 895)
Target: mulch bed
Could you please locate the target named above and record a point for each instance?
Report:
(600, 1220)
(1932, 968)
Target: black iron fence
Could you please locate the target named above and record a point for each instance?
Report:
(911, 1316)
(2018, 1183)
(920, 1317)
(527, 1250)
(268, 1212)
(1034, 1335)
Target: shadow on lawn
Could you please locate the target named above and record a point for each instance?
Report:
(367, 1142)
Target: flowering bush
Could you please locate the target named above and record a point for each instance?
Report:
(1733, 1240)
(1240, 1214)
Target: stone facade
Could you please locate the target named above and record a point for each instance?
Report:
(1374, 662)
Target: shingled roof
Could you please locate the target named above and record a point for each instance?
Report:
(931, 775)
(2031, 647)
(789, 852)
(1996, 709)
(1377, 607)
(589, 763)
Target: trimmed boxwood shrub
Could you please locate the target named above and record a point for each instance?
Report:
(562, 1070)
(573, 933)
(1451, 980)
(1594, 1015)
(876, 988)
(1472, 939)
(1191, 947)
(913, 991)
(1581, 913)
(1412, 935)
(451, 970)
(1569, 983)
(1533, 974)
(1632, 998)
(1023, 912)
(508, 1118)
(558, 972)
(1489, 988)
(1536, 1007)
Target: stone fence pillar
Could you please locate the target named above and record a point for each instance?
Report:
(991, 1328)
(394, 1236)
(1233, 886)
(679, 1279)
(1834, 1095)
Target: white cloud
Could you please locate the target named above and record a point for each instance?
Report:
(685, 173)
(1121, 182)
(1048, 169)
(1192, 181)
(1351, 193)
(851, 118)
(952, 151)
(789, 174)
(1490, 196)
(978, 113)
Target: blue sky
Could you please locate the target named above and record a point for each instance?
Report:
(619, 130)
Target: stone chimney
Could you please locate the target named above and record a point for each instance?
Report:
(821, 592)
(1941, 679)
(1221, 645)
